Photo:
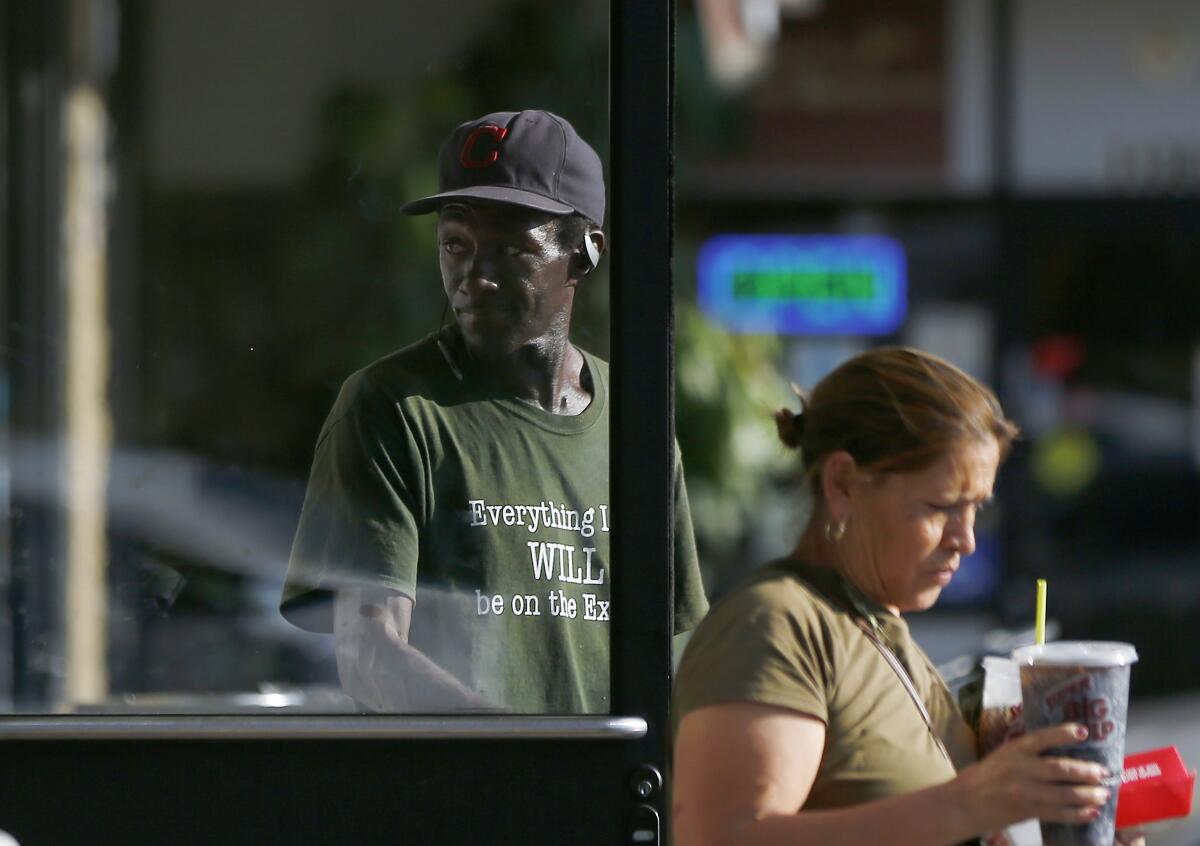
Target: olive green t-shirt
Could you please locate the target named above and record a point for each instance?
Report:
(787, 638)
(491, 514)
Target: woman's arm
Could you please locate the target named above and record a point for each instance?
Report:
(743, 772)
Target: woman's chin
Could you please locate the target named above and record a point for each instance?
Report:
(923, 600)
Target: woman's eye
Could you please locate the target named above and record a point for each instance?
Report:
(453, 246)
(958, 509)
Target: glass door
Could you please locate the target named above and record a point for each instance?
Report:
(290, 552)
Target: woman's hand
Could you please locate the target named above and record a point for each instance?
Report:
(1016, 783)
(1131, 837)
(743, 774)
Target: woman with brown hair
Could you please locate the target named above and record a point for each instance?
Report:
(804, 711)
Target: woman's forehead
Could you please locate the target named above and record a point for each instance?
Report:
(967, 471)
(969, 467)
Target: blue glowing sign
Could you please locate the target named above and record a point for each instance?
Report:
(804, 284)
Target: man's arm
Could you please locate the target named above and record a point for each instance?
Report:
(690, 602)
(379, 668)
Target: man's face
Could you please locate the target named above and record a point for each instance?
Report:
(506, 277)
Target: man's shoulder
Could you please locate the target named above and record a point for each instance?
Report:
(419, 369)
(409, 367)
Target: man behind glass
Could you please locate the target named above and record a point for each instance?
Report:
(455, 533)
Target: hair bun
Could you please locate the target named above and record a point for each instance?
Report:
(790, 426)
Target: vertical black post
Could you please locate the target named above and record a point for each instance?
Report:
(642, 365)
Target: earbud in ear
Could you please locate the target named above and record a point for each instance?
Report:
(593, 254)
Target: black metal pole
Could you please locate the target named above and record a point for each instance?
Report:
(641, 54)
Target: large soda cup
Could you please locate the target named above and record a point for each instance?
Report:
(1081, 682)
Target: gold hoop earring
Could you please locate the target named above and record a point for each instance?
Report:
(834, 532)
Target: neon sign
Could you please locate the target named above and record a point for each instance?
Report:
(804, 284)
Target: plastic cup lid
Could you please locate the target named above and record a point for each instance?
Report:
(1080, 653)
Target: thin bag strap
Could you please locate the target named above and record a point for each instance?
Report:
(906, 680)
(846, 605)
(896, 666)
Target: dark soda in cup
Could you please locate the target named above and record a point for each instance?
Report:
(1081, 682)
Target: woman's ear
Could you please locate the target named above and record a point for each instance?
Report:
(838, 473)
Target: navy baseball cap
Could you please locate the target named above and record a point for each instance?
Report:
(533, 159)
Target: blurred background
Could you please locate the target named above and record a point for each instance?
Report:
(202, 240)
(1037, 166)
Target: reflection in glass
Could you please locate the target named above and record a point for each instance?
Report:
(458, 483)
(455, 532)
(255, 165)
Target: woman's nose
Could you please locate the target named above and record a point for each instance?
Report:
(960, 534)
(968, 543)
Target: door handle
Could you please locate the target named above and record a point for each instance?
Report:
(226, 726)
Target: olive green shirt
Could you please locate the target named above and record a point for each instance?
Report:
(788, 638)
(491, 514)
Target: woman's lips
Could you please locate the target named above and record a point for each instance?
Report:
(944, 575)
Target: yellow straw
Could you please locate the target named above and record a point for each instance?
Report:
(1039, 631)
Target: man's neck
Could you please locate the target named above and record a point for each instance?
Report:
(549, 377)
(549, 373)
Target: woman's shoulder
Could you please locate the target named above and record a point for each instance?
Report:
(774, 640)
(787, 587)
(780, 604)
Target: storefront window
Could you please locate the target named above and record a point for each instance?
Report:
(233, 250)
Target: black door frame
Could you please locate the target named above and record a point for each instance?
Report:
(364, 779)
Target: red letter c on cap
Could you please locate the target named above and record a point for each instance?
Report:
(467, 158)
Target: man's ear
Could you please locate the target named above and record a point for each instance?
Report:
(593, 244)
(586, 256)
